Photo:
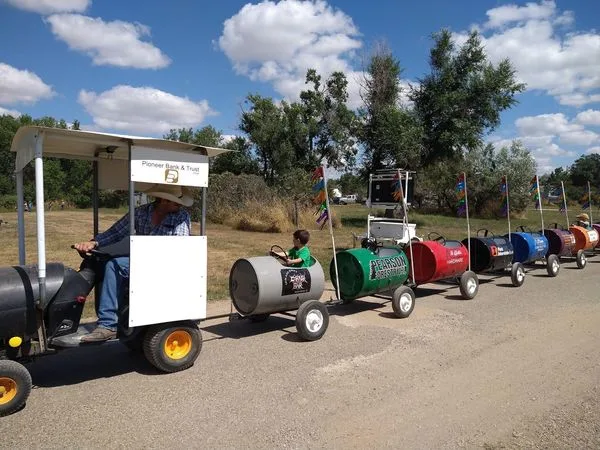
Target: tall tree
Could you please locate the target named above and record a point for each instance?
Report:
(586, 168)
(328, 121)
(462, 98)
(390, 133)
(265, 124)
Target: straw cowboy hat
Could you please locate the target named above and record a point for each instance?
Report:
(584, 217)
(177, 194)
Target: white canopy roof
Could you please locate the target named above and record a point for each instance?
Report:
(76, 144)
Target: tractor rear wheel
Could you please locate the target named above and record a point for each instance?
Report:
(15, 386)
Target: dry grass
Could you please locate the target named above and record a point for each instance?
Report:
(226, 245)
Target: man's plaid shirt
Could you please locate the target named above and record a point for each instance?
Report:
(174, 224)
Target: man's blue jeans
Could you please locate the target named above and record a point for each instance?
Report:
(116, 273)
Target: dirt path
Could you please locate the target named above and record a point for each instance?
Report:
(513, 368)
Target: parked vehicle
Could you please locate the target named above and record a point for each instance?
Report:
(348, 199)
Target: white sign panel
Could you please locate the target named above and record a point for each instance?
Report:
(167, 279)
(153, 165)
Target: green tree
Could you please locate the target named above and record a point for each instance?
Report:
(328, 123)
(265, 124)
(461, 99)
(239, 161)
(390, 133)
(586, 168)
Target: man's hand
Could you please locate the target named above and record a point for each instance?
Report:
(86, 247)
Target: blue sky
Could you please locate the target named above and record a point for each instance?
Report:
(140, 67)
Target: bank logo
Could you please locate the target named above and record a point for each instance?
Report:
(171, 175)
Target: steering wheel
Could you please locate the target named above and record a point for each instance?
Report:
(485, 232)
(439, 237)
(275, 255)
(524, 229)
(370, 244)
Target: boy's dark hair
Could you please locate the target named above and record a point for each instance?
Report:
(302, 235)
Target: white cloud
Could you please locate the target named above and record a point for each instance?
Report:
(589, 117)
(582, 137)
(277, 42)
(114, 43)
(21, 86)
(10, 112)
(143, 109)
(591, 150)
(503, 15)
(566, 66)
(51, 6)
(546, 124)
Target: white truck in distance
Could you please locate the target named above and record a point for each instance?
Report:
(346, 199)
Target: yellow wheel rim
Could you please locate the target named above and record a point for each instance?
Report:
(8, 390)
(178, 344)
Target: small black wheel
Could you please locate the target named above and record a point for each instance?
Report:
(174, 346)
(131, 337)
(15, 386)
(517, 274)
(403, 301)
(258, 318)
(468, 285)
(581, 259)
(553, 265)
(312, 320)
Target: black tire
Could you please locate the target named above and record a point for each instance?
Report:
(258, 318)
(581, 259)
(468, 285)
(131, 337)
(553, 265)
(517, 274)
(15, 386)
(312, 320)
(177, 357)
(403, 302)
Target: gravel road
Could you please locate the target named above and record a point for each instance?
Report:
(513, 368)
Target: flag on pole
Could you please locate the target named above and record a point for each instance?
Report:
(504, 194)
(534, 189)
(461, 206)
(320, 197)
(398, 193)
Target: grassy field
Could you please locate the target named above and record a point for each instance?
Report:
(225, 245)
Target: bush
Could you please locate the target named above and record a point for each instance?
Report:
(245, 202)
(8, 202)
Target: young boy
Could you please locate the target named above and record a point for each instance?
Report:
(299, 254)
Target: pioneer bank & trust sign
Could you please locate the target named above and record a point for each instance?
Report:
(188, 171)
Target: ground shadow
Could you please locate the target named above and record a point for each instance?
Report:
(242, 328)
(81, 364)
(457, 297)
(357, 306)
(508, 285)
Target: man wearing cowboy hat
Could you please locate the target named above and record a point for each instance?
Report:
(163, 217)
(583, 220)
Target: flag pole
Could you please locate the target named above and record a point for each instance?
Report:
(468, 224)
(539, 201)
(507, 206)
(590, 203)
(330, 219)
(562, 185)
(403, 200)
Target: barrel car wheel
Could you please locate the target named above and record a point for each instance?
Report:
(468, 285)
(131, 337)
(257, 318)
(517, 274)
(312, 320)
(15, 386)
(403, 301)
(581, 259)
(171, 347)
(553, 265)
